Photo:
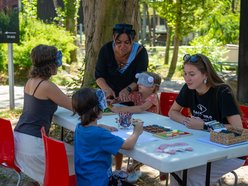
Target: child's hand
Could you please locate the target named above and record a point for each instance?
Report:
(115, 109)
(111, 129)
(138, 128)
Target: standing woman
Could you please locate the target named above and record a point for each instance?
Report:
(41, 99)
(118, 62)
(208, 98)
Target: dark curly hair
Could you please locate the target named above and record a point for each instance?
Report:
(124, 28)
(43, 61)
(85, 104)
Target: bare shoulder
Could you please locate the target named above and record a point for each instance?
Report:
(50, 89)
(48, 85)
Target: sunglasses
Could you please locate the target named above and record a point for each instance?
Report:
(123, 27)
(193, 58)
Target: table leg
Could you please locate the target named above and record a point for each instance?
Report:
(62, 134)
(184, 177)
(208, 174)
(183, 181)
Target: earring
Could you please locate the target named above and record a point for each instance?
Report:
(205, 81)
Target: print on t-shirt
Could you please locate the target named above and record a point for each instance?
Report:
(200, 113)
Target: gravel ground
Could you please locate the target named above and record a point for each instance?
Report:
(150, 177)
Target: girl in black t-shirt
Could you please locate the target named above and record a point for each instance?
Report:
(208, 98)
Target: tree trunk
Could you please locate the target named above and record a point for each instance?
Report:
(145, 8)
(168, 41)
(177, 38)
(154, 27)
(243, 55)
(149, 28)
(99, 19)
(71, 11)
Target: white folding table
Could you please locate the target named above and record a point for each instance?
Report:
(145, 150)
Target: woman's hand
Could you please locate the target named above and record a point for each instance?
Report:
(194, 123)
(123, 95)
(109, 93)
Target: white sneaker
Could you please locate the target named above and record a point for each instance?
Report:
(134, 176)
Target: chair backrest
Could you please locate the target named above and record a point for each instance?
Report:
(56, 166)
(166, 101)
(244, 116)
(7, 150)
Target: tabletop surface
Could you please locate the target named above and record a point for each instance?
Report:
(146, 151)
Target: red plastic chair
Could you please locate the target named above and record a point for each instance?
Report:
(244, 116)
(7, 148)
(166, 101)
(56, 168)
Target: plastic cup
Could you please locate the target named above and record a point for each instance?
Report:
(125, 120)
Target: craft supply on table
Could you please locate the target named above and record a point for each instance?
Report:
(174, 148)
(229, 136)
(156, 129)
(165, 133)
(107, 111)
(124, 121)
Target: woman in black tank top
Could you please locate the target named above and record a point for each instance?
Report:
(41, 99)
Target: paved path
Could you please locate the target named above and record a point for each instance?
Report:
(4, 97)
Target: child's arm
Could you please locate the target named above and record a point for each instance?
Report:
(131, 140)
(132, 109)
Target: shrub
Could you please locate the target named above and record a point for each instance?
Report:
(32, 33)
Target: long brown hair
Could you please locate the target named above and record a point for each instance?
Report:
(204, 65)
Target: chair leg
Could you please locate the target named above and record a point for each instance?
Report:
(19, 178)
(167, 179)
(128, 162)
(236, 177)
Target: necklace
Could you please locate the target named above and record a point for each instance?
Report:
(121, 65)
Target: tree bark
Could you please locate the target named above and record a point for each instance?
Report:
(168, 42)
(99, 19)
(243, 54)
(149, 28)
(71, 12)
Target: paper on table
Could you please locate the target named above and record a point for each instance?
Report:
(143, 138)
(207, 140)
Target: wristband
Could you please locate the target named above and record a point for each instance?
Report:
(129, 89)
(205, 126)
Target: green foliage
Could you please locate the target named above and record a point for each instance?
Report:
(29, 8)
(211, 48)
(220, 21)
(4, 20)
(32, 33)
(217, 18)
(60, 18)
(3, 57)
(169, 10)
